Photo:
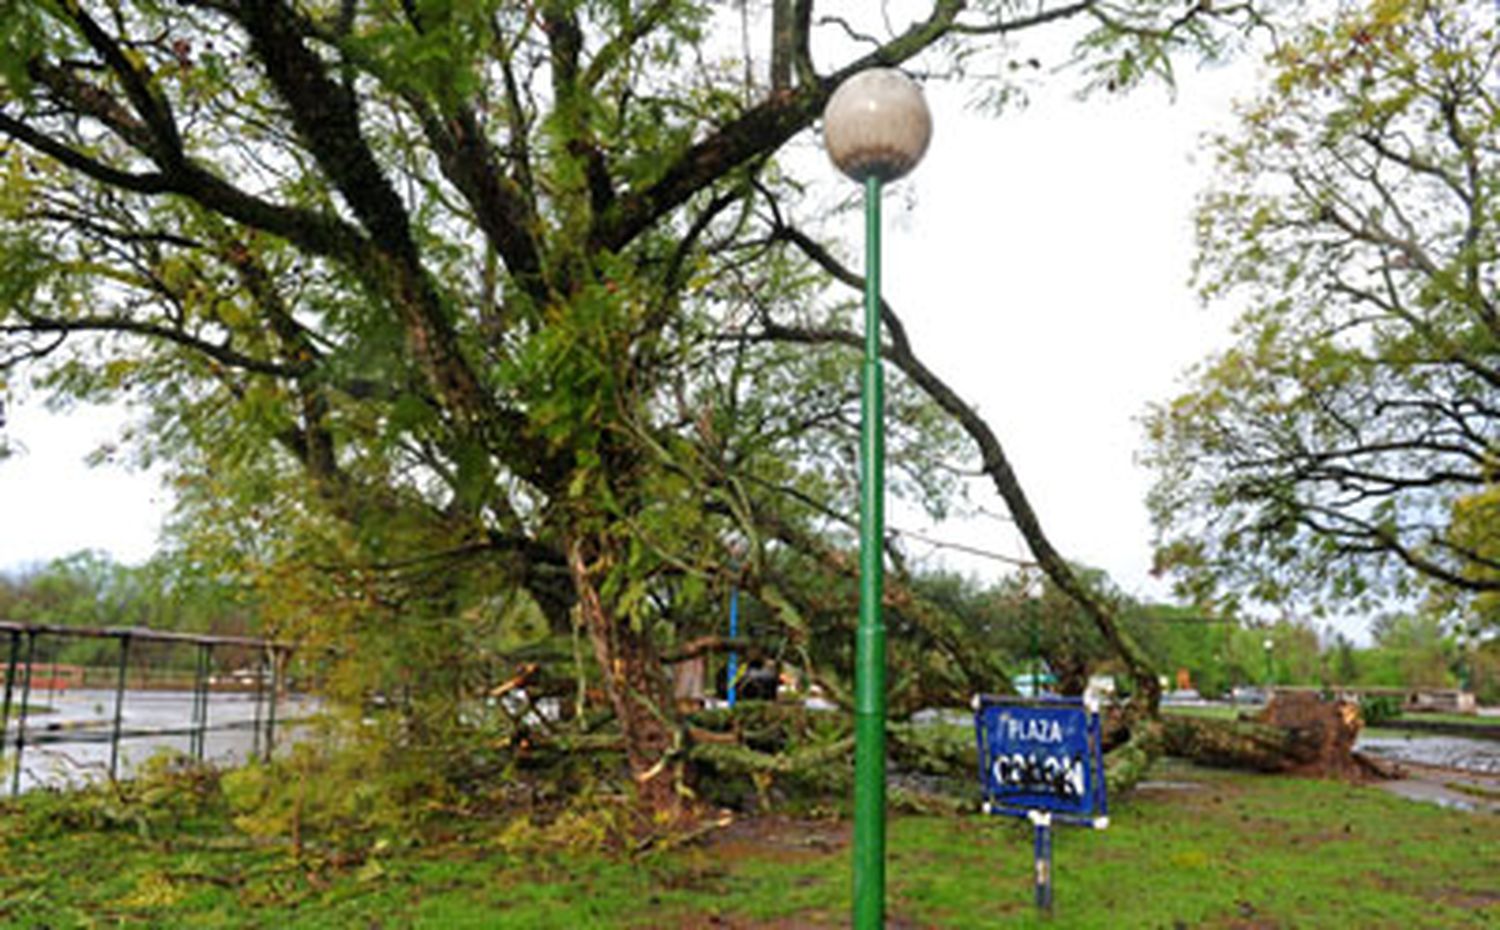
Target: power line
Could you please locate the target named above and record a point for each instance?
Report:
(960, 547)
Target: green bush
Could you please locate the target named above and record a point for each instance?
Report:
(1379, 708)
(168, 793)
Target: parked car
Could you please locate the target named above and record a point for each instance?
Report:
(1248, 695)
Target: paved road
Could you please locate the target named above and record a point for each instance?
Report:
(1452, 752)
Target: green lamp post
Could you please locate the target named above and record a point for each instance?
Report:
(876, 129)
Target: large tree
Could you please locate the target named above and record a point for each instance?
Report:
(470, 325)
(1345, 448)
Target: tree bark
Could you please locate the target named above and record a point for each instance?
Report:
(637, 691)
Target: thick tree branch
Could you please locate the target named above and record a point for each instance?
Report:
(220, 353)
(148, 183)
(759, 131)
(165, 143)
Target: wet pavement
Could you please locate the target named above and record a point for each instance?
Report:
(1451, 771)
(71, 744)
(1447, 788)
(1453, 752)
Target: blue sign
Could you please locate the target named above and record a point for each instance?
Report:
(1041, 754)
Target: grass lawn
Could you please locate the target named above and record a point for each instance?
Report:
(1202, 849)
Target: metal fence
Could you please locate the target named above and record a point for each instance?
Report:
(264, 676)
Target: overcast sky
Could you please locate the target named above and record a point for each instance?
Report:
(53, 504)
(1043, 268)
(1040, 260)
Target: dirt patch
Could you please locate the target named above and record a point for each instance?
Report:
(784, 839)
(1470, 900)
(1186, 787)
(804, 922)
(715, 922)
(1154, 788)
(781, 837)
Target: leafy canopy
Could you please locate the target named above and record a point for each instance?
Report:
(1344, 450)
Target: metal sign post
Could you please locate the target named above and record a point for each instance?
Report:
(732, 674)
(1042, 759)
(1041, 822)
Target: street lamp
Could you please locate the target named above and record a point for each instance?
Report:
(876, 128)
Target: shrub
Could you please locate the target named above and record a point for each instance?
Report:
(1379, 708)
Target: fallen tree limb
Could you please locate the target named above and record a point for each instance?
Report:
(736, 758)
(1127, 764)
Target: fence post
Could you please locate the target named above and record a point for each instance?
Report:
(200, 702)
(275, 655)
(1042, 824)
(272, 659)
(260, 693)
(15, 781)
(114, 733)
(10, 684)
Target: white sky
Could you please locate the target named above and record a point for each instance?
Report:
(1040, 260)
(1043, 270)
(52, 504)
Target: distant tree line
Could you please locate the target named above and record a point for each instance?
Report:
(1025, 620)
(90, 589)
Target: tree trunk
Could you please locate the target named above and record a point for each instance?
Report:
(1235, 744)
(1297, 732)
(1071, 672)
(638, 692)
(1127, 764)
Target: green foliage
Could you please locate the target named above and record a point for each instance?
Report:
(1215, 852)
(88, 589)
(1482, 665)
(313, 797)
(30, 28)
(1377, 709)
(1476, 526)
(1029, 622)
(474, 343)
(169, 793)
(1183, 638)
(590, 821)
(1419, 648)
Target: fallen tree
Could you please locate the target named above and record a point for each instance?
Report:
(453, 386)
(1298, 732)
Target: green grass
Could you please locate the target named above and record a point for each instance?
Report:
(1214, 711)
(1220, 850)
(1473, 720)
(1394, 726)
(32, 710)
